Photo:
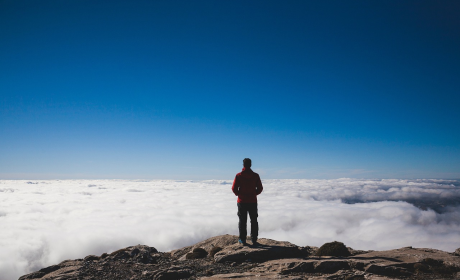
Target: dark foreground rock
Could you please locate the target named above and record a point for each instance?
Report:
(334, 249)
(221, 257)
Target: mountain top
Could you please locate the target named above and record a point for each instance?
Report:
(221, 257)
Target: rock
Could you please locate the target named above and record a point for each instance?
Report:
(249, 276)
(294, 267)
(406, 255)
(354, 252)
(139, 254)
(307, 251)
(120, 254)
(354, 277)
(214, 250)
(33, 275)
(336, 249)
(49, 269)
(91, 258)
(221, 241)
(457, 252)
(387, 270)
(419, 267)
(437, 266)
(331, 266)
(197, 253)
(271, 260)
(65, 270)
(432, 262)
(173, 273)
(289, 266)
(267, 250)
(143, 254)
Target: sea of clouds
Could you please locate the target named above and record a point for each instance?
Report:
(45, 222)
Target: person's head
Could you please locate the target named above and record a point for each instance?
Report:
(247, 162)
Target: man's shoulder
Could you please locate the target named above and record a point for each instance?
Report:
(248, 173)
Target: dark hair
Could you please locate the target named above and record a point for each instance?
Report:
(247, 162)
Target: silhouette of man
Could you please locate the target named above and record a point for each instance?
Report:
(247, 185)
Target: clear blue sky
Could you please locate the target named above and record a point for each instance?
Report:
(187, 89)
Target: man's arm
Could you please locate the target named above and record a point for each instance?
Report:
(259, 185)
(235, 186)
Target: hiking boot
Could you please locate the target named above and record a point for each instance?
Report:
(242, 242)
(255, 243)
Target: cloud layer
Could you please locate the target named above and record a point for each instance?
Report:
(45, 222)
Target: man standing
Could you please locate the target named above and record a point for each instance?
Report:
(247, 186)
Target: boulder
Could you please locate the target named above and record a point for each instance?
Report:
(139, 253)
(197, 253)
(335, 249)
(143, 254)
(457, 252)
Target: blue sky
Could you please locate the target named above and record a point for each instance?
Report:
(187, 89)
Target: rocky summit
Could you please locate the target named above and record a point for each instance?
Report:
(221, 257)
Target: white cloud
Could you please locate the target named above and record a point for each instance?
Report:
(55, 220)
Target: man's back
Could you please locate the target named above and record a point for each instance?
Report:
(247, 185)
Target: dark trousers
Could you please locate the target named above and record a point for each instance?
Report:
(243, 210)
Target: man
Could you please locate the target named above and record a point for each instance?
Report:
(247, 186)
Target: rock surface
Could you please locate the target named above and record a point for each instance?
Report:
(221, 257)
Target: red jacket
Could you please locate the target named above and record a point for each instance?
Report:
(247, 186)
